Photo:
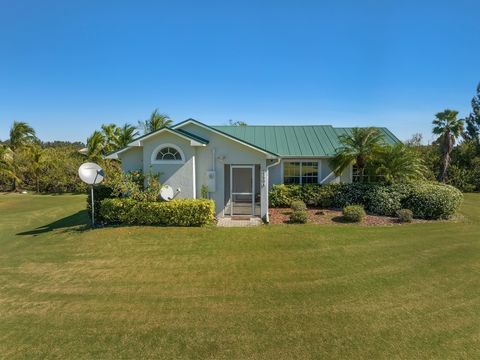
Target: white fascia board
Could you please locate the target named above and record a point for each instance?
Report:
(112, 156)
(141, 140)
(303, 157)
(138, 143)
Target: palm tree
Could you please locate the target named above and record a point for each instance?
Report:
(21, 134)
(95, 146)
(111, 133)
(449, 128)
(126, 135)
(36, 162)
(6, 163)
(359, 148)
(156, 121)
(400, 163)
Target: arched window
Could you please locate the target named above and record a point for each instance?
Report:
(168, 154)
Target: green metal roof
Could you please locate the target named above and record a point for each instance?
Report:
(190, 135)
(301, 141)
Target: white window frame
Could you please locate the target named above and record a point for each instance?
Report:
(301, 161)
(155, 152)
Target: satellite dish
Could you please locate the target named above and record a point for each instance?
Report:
(166, 193)
(90, 173)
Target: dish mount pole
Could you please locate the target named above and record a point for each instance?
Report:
(93, 206)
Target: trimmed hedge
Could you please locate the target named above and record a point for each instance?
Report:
(100, 193)
(425, 200)
(183, 212)
(311, 194)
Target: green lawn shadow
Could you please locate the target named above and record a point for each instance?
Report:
(75, 222)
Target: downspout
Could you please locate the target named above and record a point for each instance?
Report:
(267, 171)
(213, 159)
(194, 178)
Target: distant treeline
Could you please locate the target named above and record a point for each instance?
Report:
(27, 163)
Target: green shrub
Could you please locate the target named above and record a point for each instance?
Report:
(204, 192)
(100, 193)
(383, 200)
(349, 194)
(426, 200)
(183, 212)
(433, 201)
(299, 217)
(298, 205)
(315, 195)
(405, 215)
(464, 179)
(283, 195)
(318, 195)
(354, 213)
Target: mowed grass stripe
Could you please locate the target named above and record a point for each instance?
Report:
(287, 291)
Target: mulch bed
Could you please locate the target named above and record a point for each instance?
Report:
(331, 216)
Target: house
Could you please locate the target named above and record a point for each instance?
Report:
(237, 164)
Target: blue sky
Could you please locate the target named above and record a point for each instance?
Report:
(66, 67)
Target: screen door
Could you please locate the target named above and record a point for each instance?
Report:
(242, 189)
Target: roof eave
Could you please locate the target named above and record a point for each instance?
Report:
(270, 155)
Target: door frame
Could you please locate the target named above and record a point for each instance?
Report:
(252, 194)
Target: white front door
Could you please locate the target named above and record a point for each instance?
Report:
(242, 187)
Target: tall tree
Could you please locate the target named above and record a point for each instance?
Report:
(111, 134)
(21, 134)
(156, 121)
(6, 163)
(359, 148)
(95, 146)
(472, 131)
(448, 128)
(400, 163)
(36, 162)
(126, 135)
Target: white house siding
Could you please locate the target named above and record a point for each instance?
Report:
(132, 159)
(178, 176)
(233, 153)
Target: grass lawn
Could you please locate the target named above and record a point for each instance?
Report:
(282, 292)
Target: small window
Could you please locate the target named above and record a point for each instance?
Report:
(309, 172)
(300, 172)
(291, 173)
(168, 153)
